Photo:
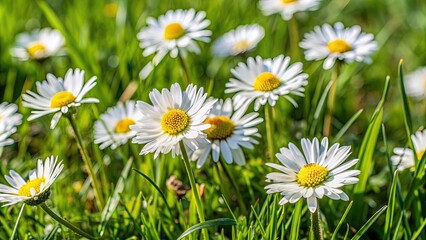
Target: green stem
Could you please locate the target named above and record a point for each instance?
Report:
(234, 185)
(269, 130)
(99, 197)
(198, 203)
(64, 222)
(331, 99)
(15, 228)
(294, 38)
(185, 73)
(316, 225)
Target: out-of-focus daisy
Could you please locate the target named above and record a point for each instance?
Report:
(175, 32)
(265, 80)
(240, 40)
(37, 189)
(9, 115)
(229, 131)
(287, 8)
(316, 173)
(113, 128)
(404, 157)
(344, 44)
(5, 132)
(415, 83)
(38, 44)
(57, 95)
(174, 116)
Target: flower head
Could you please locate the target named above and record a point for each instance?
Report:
(174, 116)
(240, 40)
(264, 80)
(415, 83)
(404, 157)
(175, 32)
(338, 42)
(34, 191)
(287, 8)
(316, 173)
(39, 44)
(229, 132)
(57, 95)
(9, 120)
(113, 128)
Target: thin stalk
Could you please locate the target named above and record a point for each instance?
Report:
(234, 185)
(331, 99)
(99, 197)
(198, 203)
(15, 228)
(316, 225)
(64, 222)
(185, 73)
(294, 38)
(270, 130)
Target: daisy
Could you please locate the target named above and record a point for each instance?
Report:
(56, 95)
(230, 131)
(316, 173)
(415, 83)
(264, 80)
(34, 191)
(404, 157)
(240, 40)
(344, 44)
(39, 44)
(175, 32)
(5, 132)
(113, 127)
(287, 8)
(174, 116)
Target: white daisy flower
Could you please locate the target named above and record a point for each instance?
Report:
(316, 173)
(415, 83)
(230, 131)
(5, 132)
(174, 116)
(338, 42)
(113, 128)
(56, 95)
(175, 32)
(264, 80)
(404, 157)
(240, 40)
(287, 8)
(9, 115)
(34, 191)
(39, 44)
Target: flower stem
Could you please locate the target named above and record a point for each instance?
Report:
(316, 225)
(99, 197)
(294, 38)
(269, 130)
(15, 228)
(185, 73)
(235, 185)
(198, 203)
(331, 100)
(65, 222)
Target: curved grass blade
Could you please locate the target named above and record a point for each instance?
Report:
(342, 220)
(208, 224)
(52, 233)
(348, 125)
(419, 231)
(370, 222)
(391, 209)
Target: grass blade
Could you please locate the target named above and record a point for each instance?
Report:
(342, 220)
(370, 222)
(391, 209)
(208, 224)
(295, 220)
(348, 125)
(419, 231)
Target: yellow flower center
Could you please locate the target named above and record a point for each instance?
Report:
(35, 48)
(173, 31)
(338, 46)
(285, 2)
(241, 46)
(312, 175)
(61, 99)
(123, 126)
(420, 154)
(266, 82)
(174, 121)
(110, 9)
(221, 128)
(25, 189)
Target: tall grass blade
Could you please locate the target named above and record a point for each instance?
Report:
(368, 224)
(390, 213)
(208, 224)
(342, 219)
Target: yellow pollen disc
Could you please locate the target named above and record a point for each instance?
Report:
(288, 1)
(173, 31)
(338, 46)
(123, 126)
(241, 46)
(266, 82)
(35, 48)
(312, 175)
(61, 99)
(35, 183)
(221, 128)
(174, 121)
(420, 154)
